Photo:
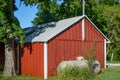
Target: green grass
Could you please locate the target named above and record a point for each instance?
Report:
(112, 73)
(23, 77)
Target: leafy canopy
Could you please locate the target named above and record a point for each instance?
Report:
(9, 22)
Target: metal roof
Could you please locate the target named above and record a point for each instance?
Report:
(45, 32)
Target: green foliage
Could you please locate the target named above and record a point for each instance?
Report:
(70, 8)
(109, 2)
(107, 18)
(53, 11)
(9, 21)
(112, 17)
(32, 2)
(75, 73)
(47, 12)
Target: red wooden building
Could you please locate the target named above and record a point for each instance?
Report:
(49, 44)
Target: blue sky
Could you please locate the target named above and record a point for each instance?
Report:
(25, 14)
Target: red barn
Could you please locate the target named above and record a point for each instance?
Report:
(49, 44)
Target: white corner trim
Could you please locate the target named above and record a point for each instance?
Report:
(83, 29)
(45, 61)
(104, 53)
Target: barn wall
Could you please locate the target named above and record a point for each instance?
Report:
(2, 56)
(92, 35)
(32, 59)
(68, 45)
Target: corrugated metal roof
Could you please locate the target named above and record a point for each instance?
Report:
(45, 32)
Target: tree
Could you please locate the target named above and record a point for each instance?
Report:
(112, 17)
(109, 2)
(47, 12)
(53, 11)
(107, 19)
(9, 30)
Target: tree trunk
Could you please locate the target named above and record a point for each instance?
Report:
(9, 67)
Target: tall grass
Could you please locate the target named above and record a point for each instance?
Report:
(75, 73)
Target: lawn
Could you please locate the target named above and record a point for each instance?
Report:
(112, 73)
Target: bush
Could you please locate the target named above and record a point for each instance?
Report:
(75, 73)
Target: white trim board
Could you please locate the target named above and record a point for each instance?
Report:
(104, 53)
(45, 61)
(83, 29)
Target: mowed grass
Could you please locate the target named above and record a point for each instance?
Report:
(112, 73)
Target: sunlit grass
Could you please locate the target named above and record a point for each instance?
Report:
(112, 73)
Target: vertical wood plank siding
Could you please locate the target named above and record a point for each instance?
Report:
(68, 45)
(32, 59)
(2, 56)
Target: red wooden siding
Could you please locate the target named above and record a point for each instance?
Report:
(32, 59)
(91, 33)
(68, 45)
(2, 56)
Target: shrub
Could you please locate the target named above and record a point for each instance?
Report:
(75, 73)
